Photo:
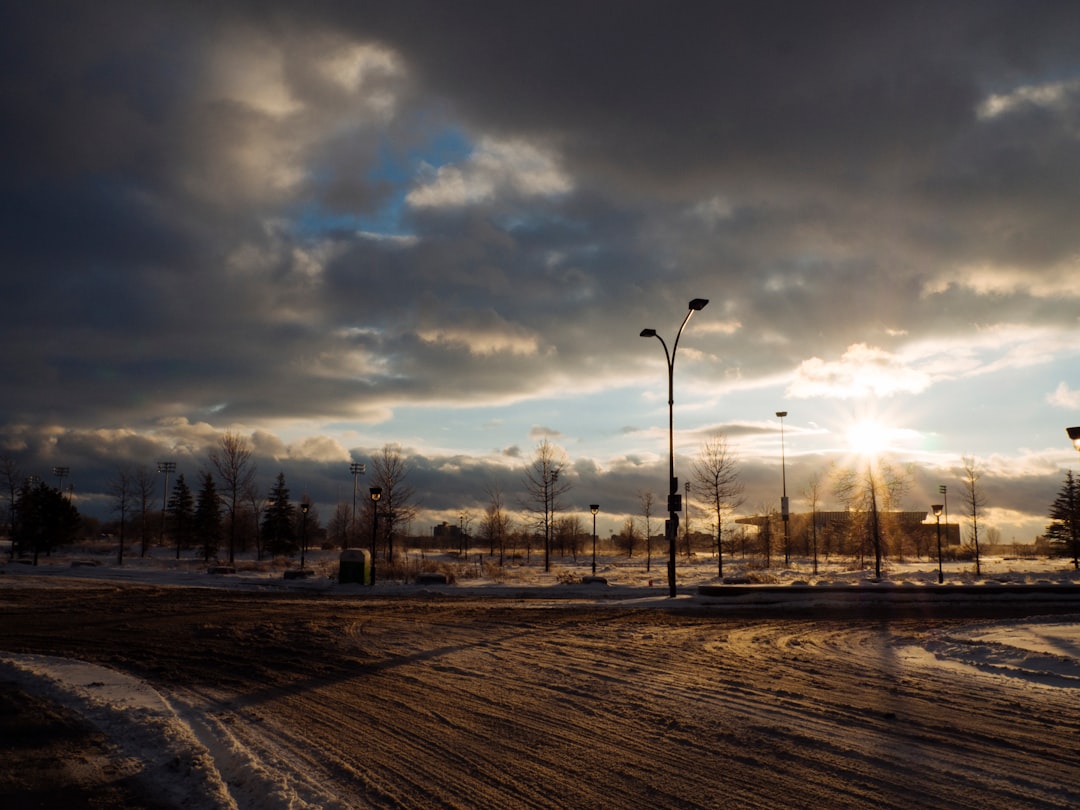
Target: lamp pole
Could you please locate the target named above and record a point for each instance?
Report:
(376, 494)
(944, 491)
(671, 527)
(783, 491)
(1074, 436)
(305, 505)
(61, 473)
(356, 469)
(165, 467)
(594, 508)
(937, 516)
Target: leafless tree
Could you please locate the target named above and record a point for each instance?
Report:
(495, 524)
(232, 460)
(973, 503)
(143, 486)
(716, 471)
(869, 491)
(10, 479)
(396, 505)
(647, 500)
(812, 493)
(542, 489)
(121, 489)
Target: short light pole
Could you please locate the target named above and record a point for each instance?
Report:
(305, 505)
(937, 516)
(376, 494)
(594, 508)
(356, 469)
(1074, 436)
(166, 467)
(671, 527)
(783, 491)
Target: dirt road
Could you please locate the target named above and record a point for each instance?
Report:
(331, 702)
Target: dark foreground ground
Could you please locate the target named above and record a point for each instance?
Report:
(457, 702)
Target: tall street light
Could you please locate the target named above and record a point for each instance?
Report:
(783, 491)
(671, 527)
(165, 467)
(594, 508)
(61, 473)
(1074, 436)
(376, 494)
(356, 469)
(305, 505)
(944, 492)
(937, 516)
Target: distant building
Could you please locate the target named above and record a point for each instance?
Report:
(912, 524)
(446, 531)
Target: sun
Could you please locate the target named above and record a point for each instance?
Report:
(868, 437)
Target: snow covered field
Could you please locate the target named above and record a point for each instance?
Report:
(196, 761)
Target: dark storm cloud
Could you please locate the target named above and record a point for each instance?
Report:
(192, 197)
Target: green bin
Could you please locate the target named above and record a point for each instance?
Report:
(354, 565)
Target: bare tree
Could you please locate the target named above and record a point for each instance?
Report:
(396, 503)
(867, 493)
(716, 471)
(812, 493)
(232, 460)
(647, 499)
(120, 487)
(143, 487)
(10, 479)
(495, 524)
(973, 502)
(542, 488)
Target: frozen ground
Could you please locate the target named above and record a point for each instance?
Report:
(196, 761)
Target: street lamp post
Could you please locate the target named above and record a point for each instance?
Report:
(376, 494)
(305, 505)
(937, 516)
(61, 473)
(356, 469)
(671, 527)
(783, 492)
(594, 508)
(165, 467)
(1074, 437)
(944, 491)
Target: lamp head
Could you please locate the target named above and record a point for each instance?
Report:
(594, 508)
(648, 333)
(781, 414)
(376, 493)
(1074, 436)
(937, 507)
(304, 506)
(698, 304)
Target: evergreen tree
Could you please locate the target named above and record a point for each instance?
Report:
(279, 520)
(1065, 512)
(207, 523)
(46, 519)
(181, 509)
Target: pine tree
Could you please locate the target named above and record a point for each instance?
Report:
(1065, 512)
(207, 523)
(181, 508)
(278, 526)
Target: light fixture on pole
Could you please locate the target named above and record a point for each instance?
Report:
(944, 492)
(356, 469)
(61, 473)
(783, 490)
(937, 516)
(594, 508)
(376, 494)
(165, 467)
(671, 527)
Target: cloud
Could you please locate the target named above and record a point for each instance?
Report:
(1064, 397)
(861, 371)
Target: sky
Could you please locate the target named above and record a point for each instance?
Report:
(330, 227)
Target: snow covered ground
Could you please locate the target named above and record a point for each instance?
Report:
(195, 766)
